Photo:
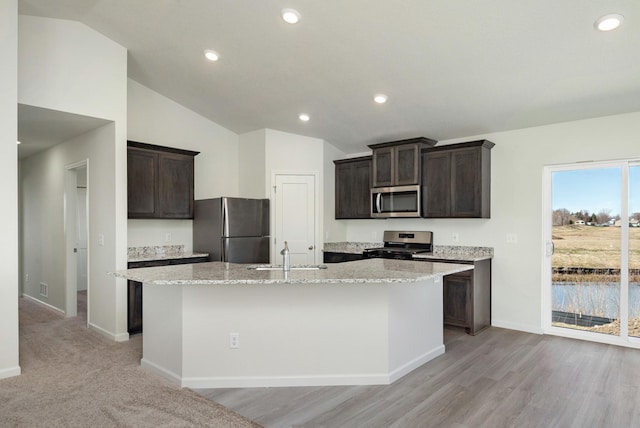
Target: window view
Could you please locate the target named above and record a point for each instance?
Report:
(586, 262)
(634, 251)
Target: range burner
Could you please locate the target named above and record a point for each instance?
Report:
(402, 245)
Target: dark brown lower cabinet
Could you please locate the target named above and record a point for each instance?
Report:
(134, 289)
(467, 298)
(332, 257)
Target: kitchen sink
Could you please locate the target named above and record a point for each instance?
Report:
(279, 267)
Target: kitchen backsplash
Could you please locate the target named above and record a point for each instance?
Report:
(163, 250)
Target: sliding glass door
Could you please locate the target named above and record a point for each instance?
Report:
(634, 250)
(592, 261)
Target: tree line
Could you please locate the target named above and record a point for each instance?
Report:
(563, 217)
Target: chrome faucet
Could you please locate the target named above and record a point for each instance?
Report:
(286, 261)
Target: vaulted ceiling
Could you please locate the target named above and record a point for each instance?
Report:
(450, 68)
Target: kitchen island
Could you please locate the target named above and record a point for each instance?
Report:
(213, 325)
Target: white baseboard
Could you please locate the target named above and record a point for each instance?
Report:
(302, 380)
(120, 337)
(415, 363)
(519, 327)
(277, 381)
(46, 305)
(161, 371)
(10, 372)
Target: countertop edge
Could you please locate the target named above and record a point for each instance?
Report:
(451, 268)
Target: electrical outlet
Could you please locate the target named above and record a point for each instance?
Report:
(512, 238)
(101, 240)
(234, 340)
(167, 237)
(455, 237)
(26, 278)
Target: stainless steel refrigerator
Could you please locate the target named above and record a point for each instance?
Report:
(232, 230)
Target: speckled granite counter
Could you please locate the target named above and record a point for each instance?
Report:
(165, 252)
(357, 272)
(350, 247)
(440, 252)
(457, 253)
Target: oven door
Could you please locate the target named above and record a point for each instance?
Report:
(400, 201)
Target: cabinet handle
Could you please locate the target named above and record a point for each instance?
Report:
(310, 247)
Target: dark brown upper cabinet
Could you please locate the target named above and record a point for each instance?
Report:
(159, 181)
(353, 188)
(397, 163)
(456, 180)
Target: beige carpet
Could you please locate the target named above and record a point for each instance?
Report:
(74, 377)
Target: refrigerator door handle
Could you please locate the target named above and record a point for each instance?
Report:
(225, 250)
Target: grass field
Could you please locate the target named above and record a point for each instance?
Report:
(593, 247)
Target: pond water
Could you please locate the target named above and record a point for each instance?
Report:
(594, 298)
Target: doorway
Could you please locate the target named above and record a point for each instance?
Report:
(296, 216)
(76, 218)
(592, 252)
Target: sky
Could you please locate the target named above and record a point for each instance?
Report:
(594, 190)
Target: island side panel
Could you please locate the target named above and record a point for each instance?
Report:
(415, 325)
(162, 337)
(290, 335)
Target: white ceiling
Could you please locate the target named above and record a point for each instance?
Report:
(451, 68)
(41, 128)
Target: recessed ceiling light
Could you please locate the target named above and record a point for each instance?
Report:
(304, 117)
(380, 98)
(609, 22)
(211, 55)
(290, 16)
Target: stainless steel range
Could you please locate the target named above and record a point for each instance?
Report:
(402, 245)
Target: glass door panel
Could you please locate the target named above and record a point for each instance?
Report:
(586, 262)
(634, 251)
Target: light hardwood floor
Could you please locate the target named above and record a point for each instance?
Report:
(499, 378)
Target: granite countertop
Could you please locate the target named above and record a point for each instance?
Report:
(350, 247)
(358, 272)
(166, 252)
(440, 252)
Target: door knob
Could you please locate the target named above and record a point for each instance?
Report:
(310, 247)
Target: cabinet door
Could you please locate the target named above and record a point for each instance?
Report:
(175, 186)
(457, 299)
(436, 184)
(142, 192)
(383, 167)
(134, 307)
(465, 183)
(407, 165)
(343, 190)
(361, 195)
(352, 188)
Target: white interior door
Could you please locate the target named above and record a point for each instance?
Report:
(81, 237)
(296, 215)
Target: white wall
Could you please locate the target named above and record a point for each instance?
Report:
(292, 153)
(42, 178)
(333, 230)
(9, 189)
(155, 119)
(65, 66)
(516, 207)
(252, 153)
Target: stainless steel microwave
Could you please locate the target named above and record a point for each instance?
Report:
(397, 201)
